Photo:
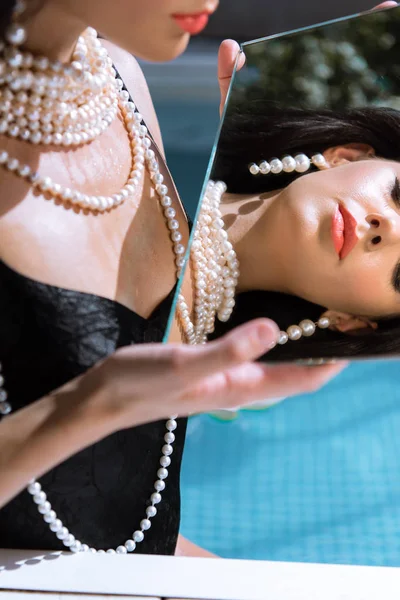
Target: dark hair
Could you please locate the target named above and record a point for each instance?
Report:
(6, 9)
(253, 131)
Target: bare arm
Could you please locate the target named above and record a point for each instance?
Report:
(36, 438)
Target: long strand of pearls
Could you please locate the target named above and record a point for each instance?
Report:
(46, 185)
(143, 156)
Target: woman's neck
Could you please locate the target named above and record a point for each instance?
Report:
(52, 31)
(249, 222)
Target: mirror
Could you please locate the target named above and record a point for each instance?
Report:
(311, 194)
(315, 478)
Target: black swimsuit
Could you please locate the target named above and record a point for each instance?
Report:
(50, 335)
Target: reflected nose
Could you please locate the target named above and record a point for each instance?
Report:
(383, 231)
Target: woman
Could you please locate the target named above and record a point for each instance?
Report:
(86, 271)
(324, 243)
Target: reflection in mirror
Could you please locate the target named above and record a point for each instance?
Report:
(300, 221)
(315, 478)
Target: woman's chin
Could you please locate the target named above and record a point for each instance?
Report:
(164, 52)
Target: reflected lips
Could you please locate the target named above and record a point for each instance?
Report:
(192, 24)
(344, 232)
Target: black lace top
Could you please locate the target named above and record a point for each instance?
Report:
(49, 335)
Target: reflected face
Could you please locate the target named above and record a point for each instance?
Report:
(158, 30)
(341, 237)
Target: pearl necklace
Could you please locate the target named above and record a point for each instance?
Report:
(143, 156)
(215, 270)
(50, 103)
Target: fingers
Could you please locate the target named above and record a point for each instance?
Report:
(254, 382)
(385, 5)
(227, 55)
(242, 345)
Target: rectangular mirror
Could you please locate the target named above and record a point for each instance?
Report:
(308, 156)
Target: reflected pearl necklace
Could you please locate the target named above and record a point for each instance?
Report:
(143, 156)
(215, 272)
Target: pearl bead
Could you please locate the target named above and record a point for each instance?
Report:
(121, 550)
(110, 551)
(324, 323)
(161, 189)
(44, 508)
(166, 201)
(319, 160)
(167, 449)
(138, 536)
(169, 213)
(45, 183)
(307, 327)
(50, 517)
(276, 166)
(15, 34)
(282, 338)
(56, 525)
(151, 511)
(264, 167)
(69, 540)
(130, 545)
(145, 524)
(39, 498)
(85, 548)
(76, 547)
(159, 485)
(155, 498)
(303, 163)
(12, 164)
(165, 461)
(5, 408)
(34, 488)
(288, 164)
(62, 534)
(176, 236)
(173, 224)
(294, 332)
(254, 169)
(24, 171)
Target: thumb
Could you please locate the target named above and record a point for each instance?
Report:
(228, 52)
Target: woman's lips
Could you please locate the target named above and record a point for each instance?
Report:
(344, 231)
(192, 24)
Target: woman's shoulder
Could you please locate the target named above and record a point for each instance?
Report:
(135, 81)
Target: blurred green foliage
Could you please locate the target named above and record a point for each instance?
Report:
(346, 64)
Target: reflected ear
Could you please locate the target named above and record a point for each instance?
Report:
(339, 155)
(350, 324)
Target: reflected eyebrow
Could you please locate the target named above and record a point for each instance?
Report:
(395, 192)
(396, 278)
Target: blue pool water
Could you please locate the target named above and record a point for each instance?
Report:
(313, 479)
